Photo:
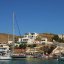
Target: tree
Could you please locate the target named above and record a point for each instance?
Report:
(55, 38)
(23, 46)
(48, 49)
(38, 38)
(32, 45)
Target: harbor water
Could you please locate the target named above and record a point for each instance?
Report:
(31, 61)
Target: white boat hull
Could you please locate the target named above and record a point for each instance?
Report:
(5, 58)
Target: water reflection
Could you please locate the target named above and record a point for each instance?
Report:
(30, 61)
(4, 61)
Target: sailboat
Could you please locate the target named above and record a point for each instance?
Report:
(15, 56)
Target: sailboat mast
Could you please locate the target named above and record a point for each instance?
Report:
(8, 37)
(13, 27)
(13, 32)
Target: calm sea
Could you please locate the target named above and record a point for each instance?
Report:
(31, 61)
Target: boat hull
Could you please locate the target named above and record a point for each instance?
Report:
(61, 59)
(20, 56)
(5, 58)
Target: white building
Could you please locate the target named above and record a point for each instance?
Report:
(45, 41)
(10, 42)
(28, 37)
(61, 36)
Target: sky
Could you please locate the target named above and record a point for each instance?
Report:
(40, 16)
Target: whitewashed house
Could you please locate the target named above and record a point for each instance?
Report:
(29, 38)
(45, 41)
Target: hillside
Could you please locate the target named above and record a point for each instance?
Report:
(4, 37)
(49, 36)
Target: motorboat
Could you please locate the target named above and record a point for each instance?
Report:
(4, 52)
